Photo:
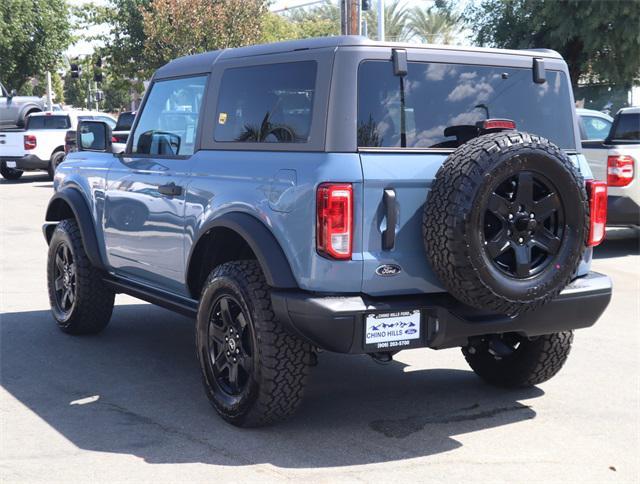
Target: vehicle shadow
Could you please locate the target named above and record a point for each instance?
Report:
(135, 389)
(618, 245)
(27, 178)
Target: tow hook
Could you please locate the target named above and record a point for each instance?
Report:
(382, 358)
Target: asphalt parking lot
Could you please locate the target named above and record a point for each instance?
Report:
(127, 405)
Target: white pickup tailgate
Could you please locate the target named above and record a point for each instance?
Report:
(12, 144)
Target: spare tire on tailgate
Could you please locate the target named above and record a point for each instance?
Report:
(506, 222)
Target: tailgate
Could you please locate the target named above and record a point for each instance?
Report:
(12, 144)
(409, 177)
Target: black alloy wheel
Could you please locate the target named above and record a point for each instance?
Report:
(64, 279)
(524, 224)
(230, 345)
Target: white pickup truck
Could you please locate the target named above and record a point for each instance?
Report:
(616, 159)
(40, 146)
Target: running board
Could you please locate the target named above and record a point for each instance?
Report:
(185, 306)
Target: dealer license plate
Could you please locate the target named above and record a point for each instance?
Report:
(11, 164)
(392, 330)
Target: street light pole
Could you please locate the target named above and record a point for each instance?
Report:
(381, 20)
(49, 97)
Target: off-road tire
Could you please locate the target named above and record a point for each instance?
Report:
(9, 173)
(93, 303)
(451, 221)
(533, 362)
(280, 360)
(56, 159)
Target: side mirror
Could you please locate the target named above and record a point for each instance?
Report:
(93, 136)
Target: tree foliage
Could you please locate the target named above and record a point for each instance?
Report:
(599, 39)
(435, 25)
(181, 27)
(33, 36)
(396, 19)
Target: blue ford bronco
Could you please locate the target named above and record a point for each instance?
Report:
(343, 195)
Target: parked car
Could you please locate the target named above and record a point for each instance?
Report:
(14, 109)
(594, 125)
(614, 156)
(41, 145)
(344, 195)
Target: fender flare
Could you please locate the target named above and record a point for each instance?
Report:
(22, 116)
(262, 242)
(74, 199)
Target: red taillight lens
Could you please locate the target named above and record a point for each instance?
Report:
(29, 142)
(114, 139)
(334, 224)
(498, 124)
(619, 170)
(597, 191)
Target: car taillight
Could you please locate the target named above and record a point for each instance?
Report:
(334, 223)
(597, 191)
(498, 124)
(619, 170)
(29, 142)
(114, 139)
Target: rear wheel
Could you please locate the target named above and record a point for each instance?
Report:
(10, 173)
(56, 159)
(528, 362)
(254, 372)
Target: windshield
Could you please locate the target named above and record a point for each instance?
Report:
(48, 122)
(437, 105)
(627, 127)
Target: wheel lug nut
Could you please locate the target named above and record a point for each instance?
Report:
(228, 354)
(235, 360)
(231, 330)
(237, 350)
(521, 240)
(508, 232)
(510, 216)
(532, 215)
(226, 338)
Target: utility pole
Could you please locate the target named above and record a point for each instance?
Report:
(49, 97)
(350, 17)
(381, 20)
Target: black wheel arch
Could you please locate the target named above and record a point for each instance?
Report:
(70, 203)
(241, 228)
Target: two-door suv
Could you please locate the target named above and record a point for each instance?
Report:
(344, 195)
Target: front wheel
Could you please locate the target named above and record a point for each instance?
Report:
(80, 301)
(531, 361)
(254, 372)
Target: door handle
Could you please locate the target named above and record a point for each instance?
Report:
(389, 234)
(170, 190)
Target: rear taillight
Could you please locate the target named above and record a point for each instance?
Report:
(597, 191)
(619, 170)
(114, 139)
(334, 223)
(498, 124)
(29, 142)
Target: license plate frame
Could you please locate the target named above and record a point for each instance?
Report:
(393, 331)
(10, 164)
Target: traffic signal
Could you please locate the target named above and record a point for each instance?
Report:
(97, 72)
(366, 5)
(76, 71)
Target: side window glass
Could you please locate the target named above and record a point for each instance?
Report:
(169, 121)
(596, 128)
(270, 103)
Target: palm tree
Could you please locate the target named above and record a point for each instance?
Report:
(395, 21)
(434, 26)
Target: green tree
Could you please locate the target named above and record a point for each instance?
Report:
(33, 36)
(175, 28)
(276, 28)
(434, 25)
(318, 21)
(599, 39)
(396, 17)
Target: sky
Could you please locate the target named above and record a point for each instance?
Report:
(83, 48)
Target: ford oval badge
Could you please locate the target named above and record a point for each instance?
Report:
(387, 270)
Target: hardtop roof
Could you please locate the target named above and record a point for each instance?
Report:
(202, 63)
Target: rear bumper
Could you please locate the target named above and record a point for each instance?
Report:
(337, 323)
(26, 162)
(622, 210)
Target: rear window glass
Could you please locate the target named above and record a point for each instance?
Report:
(48, 122)
(270, 103)
(438, 103)
(627, 127)
(125, 121)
